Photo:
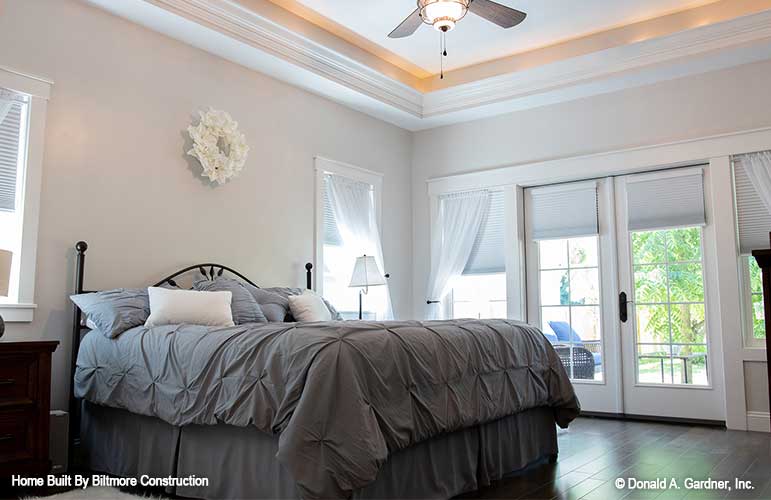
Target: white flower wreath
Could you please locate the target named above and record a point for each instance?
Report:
(218, 145)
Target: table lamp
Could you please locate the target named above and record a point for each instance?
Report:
(365, 275)
(6, 257)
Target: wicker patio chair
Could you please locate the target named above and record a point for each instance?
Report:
(582, 361)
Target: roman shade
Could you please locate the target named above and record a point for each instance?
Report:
(666, 200)
(12, 107)
(753, 216)
(331, 231)
(487, 254)
(562, 211)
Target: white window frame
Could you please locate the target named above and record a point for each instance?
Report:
(748, 333)
(325, 166)
(29, 179)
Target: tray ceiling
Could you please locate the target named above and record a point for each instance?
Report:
(476, 40)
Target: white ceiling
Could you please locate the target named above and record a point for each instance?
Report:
(476, 40)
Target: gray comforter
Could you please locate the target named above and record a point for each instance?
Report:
(341, 395)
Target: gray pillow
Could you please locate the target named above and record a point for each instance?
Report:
(245, 309)
(273, 305)
(115, 311)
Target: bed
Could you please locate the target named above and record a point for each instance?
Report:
(354, 409)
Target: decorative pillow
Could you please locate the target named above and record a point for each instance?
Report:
(191, 307)
(308, 307)
(113, 312)
(288, 292)
(243, 306)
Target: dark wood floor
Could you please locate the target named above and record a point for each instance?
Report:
(595, 452)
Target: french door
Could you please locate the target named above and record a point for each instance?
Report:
(616, 272)
(671, 364)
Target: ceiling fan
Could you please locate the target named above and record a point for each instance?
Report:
(443, 15)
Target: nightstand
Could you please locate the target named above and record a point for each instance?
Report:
(25, 394)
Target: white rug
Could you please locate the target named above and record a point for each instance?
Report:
(93, 494)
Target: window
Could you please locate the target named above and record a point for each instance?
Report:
(14, 110)
(669, 306)
(564, 274)
(569, 279)
(753, 223)
(22, 134)
(480, 292)
(480, 296)
(348, 229)
(754, 315)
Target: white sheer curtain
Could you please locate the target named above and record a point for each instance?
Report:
(353, 205)
(758, 168)
(452, 237)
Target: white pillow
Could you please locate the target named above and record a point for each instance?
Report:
(191, 307)
(308, 307)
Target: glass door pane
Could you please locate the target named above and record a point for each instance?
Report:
(668, 277)
(569, 281)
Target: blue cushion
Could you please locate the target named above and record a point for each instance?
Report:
(597, 358)
(550, 337)
(564, 332)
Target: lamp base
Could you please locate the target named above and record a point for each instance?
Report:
(361, 294)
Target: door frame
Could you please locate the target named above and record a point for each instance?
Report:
(710, 401)
(604, 396)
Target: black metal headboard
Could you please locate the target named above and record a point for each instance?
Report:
(209, 270)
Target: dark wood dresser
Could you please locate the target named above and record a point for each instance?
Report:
(25, 394)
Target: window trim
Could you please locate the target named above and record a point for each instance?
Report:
(326, 166)
(748, 330)
(39, 91)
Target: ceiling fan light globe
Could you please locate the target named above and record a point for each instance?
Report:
(443, 13)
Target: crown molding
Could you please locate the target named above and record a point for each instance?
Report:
(233, 19)
(227, 29)
(603, 64)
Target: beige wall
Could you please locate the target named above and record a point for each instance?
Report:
(116, 174)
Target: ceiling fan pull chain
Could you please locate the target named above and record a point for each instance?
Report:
(441, 59)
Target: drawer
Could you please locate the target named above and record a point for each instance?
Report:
(16, 435)
(18, 379)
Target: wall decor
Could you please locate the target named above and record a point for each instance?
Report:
(218, 145)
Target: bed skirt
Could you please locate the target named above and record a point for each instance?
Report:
(240, 462)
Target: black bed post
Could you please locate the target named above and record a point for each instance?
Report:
(308, 276)
(74, 431)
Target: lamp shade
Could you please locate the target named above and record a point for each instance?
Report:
(6, 257)
(366, 273)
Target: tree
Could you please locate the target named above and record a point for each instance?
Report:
(669, 287)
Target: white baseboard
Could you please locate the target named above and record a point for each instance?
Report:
(758, 421)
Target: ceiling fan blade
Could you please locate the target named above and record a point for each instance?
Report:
(408, 26)
(503, 16)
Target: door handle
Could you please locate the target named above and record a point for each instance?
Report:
(622, 307)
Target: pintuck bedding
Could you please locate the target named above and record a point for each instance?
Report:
(341, 396)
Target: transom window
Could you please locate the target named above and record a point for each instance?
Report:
(669, 306)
